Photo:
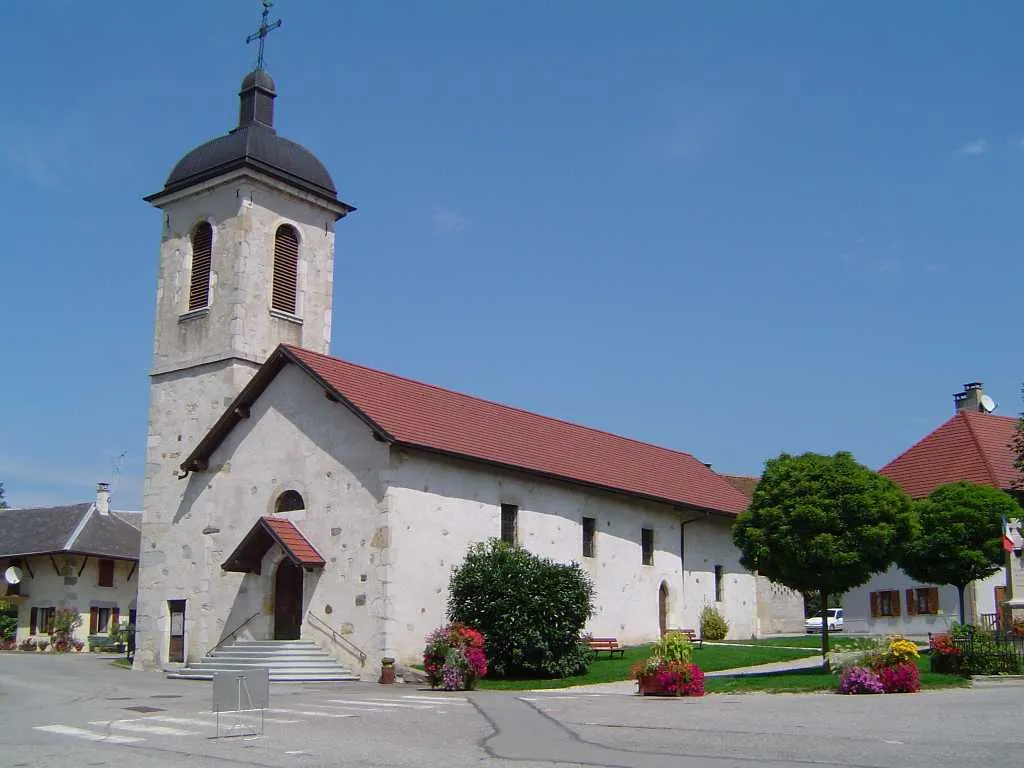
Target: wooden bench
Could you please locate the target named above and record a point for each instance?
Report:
(609, 644)
(691, 635)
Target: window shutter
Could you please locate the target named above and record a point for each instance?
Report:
(874, 605)
(933, 600)
(94, 620)
(202, 252)
(32, 621)
(896, 603)
(286, 270)
(911, 602)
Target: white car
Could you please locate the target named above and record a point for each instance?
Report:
(835, 622)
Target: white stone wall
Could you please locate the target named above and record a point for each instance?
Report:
(245, 215)
(65, 588)
(293, 439)
(780, 610)
(440, 506)
(979, 598)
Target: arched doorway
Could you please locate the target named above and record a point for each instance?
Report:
(287, 601)
(663, 607)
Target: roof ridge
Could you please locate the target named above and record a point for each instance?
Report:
(500, 405)
(977, 444)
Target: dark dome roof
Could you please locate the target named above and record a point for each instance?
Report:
(258, 78)
(255, 146)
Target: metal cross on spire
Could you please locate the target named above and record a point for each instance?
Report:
(265, 29)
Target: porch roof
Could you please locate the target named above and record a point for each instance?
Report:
(262, 536)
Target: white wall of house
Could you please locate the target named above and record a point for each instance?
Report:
(70, 586)
(979, 598)
(439, 507)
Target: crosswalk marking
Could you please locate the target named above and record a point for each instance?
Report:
(141, 727)
(438, 699)
(382, 703)
(82, 733)
(309, 713)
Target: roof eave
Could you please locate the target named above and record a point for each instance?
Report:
(198, 460)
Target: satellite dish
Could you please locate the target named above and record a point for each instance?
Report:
(13, 575)
(988, 404)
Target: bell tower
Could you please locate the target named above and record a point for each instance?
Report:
(246, 263)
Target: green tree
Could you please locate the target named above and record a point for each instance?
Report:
(530, 610)
(958, 538)
(3, 501)
(822, 524)
(1017, 446)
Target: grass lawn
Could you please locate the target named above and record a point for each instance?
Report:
(806, 680)
(123, 663)
(606, 670)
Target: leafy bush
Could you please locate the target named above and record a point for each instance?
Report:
(900, 678)
(984, 653)
(859, 680)
(531, 610)
(713, 625)
(900, 651)
(454, 657)
(678, 679)
(8, 627)
(674, 646)
(945, 657)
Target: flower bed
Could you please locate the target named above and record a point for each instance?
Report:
(892, 670)
(454, 658)
(669, 671)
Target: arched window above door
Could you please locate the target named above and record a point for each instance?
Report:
(289, 501)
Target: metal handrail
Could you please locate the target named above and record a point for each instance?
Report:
(346, 645)
(232, 633)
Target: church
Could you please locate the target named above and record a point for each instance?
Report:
(293, 495)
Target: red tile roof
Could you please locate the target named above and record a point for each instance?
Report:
(423, 416)
(742, 483)
(250, 551)
(293, 542)
(970, 446)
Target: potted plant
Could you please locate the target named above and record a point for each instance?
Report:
(669, 670)
(65, 623)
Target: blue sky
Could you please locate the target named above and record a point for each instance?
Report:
(731, 228)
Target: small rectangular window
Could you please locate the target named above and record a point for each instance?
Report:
(927, 599)
(510, 524)
(719, 584)
(99, 621)
(885, 603)
(647, 545)
(589, 533)
(41, 620)
(106, 573)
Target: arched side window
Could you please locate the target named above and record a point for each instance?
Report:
(289, 501)
(286, 269)
(202, 249)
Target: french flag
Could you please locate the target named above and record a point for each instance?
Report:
(1007, 537)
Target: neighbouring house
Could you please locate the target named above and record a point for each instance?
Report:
(780, 610)
(290, 494)
(972, 446)
(82, 557)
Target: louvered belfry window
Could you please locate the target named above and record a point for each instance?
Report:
(286, 269)
(202, 248)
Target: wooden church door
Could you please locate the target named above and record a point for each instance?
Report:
(287, 601)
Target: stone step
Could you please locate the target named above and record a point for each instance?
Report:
(286, 660)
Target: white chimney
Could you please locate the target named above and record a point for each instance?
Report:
(103, 498)
(970, 398)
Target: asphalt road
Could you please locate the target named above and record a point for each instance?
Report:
(81, 711)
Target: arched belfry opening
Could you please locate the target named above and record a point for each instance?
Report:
(289, 501)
